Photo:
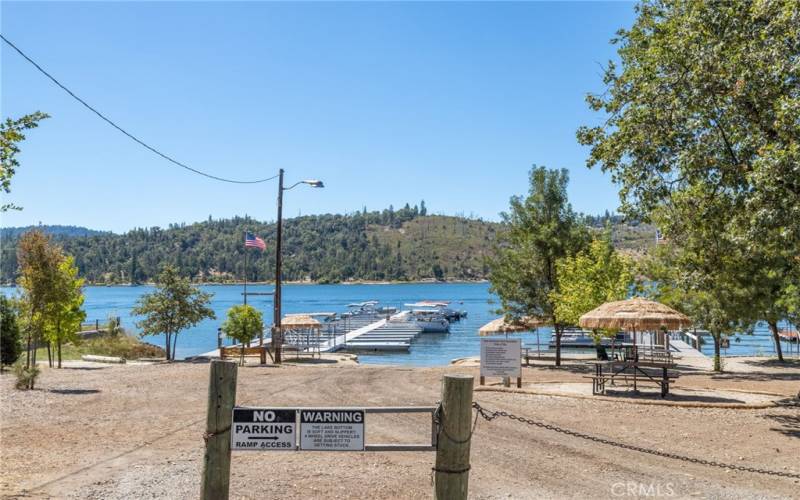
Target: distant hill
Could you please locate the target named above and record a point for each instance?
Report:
(65, 231)
(404, 244)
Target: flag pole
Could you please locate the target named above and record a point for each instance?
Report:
(245, 268)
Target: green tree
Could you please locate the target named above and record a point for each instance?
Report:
(10, 347)
(11, 134)
(702, 134)
(174, 306)
(590, 278)
(541, 229)
(707, 93)
(706, 274)
(242, 324)
(39, 260)
(65, 313)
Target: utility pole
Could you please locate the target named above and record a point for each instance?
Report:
(277, 339)
(245, 267)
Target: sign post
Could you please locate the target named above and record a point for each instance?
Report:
(501, 358)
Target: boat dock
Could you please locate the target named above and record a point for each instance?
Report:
(371, 333)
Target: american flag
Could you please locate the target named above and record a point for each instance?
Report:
(251, 240)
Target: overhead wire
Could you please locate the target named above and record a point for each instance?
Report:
(128, 134)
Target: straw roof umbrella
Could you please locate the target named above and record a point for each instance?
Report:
(501, 325)
(299, 321)
(302, 322)
(634, 314)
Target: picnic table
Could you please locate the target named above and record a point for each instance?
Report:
(644, 371)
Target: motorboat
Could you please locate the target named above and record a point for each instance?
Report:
(443, 307)
(430, 319)
(368, 307)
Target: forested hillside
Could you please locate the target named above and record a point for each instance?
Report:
(405, 244)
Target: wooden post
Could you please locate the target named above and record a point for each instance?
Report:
(217, 458)
(453, 439)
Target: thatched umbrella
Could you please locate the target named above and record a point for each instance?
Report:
(301, 322)
(501, 325)
(293, 322)
(634, 314)
(524, 324)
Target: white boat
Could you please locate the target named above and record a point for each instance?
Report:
(443, 307)
(431, 320)
(359, 308)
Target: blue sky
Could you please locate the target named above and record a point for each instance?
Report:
(387, 103)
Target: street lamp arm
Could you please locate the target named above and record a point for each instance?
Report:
(311, 182)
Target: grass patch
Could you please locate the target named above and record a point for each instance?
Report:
(122, 346)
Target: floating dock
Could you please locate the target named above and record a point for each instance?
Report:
(373, 334)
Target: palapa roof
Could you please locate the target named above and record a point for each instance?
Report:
(500, 325)
(636, 313)
(299, 322)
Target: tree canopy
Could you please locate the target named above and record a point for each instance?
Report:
(11, 134)
(702, 135)
(707, 93)
(590, 278)
(243, 323)
(173, 306)
(541, 229)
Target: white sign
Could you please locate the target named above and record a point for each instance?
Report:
(332, 430)
(263, 429)
(501, 358)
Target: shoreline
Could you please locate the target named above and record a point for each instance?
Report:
(265, 283)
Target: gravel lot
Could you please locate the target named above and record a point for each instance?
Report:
(135, 431)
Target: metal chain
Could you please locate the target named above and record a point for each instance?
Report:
(438, 420)
(490, 415)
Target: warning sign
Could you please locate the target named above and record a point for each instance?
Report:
(332, 430)
(263, 429)
(500, 358)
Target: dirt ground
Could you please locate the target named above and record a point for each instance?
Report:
(135, 431)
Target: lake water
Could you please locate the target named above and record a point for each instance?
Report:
(426, 350)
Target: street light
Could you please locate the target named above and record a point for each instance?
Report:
(277, 339)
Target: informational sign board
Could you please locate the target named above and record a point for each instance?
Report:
(331, 429)
(264, 429)
(501, 357)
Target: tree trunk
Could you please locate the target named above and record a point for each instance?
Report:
(174, 344)
(49, 354)
(59, 353)
(773, 327)
(167, 344)
(558, 344)
(717, 357)
(28, 354)
(33, 365)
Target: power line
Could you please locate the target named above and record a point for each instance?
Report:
(131, 136)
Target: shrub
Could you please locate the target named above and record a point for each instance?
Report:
(26, 377)
(122, 346)
(9, 332)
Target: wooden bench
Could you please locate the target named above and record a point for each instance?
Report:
(235, 352)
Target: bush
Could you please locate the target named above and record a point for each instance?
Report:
(26, 377)
(9, 332)
(122, 346)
